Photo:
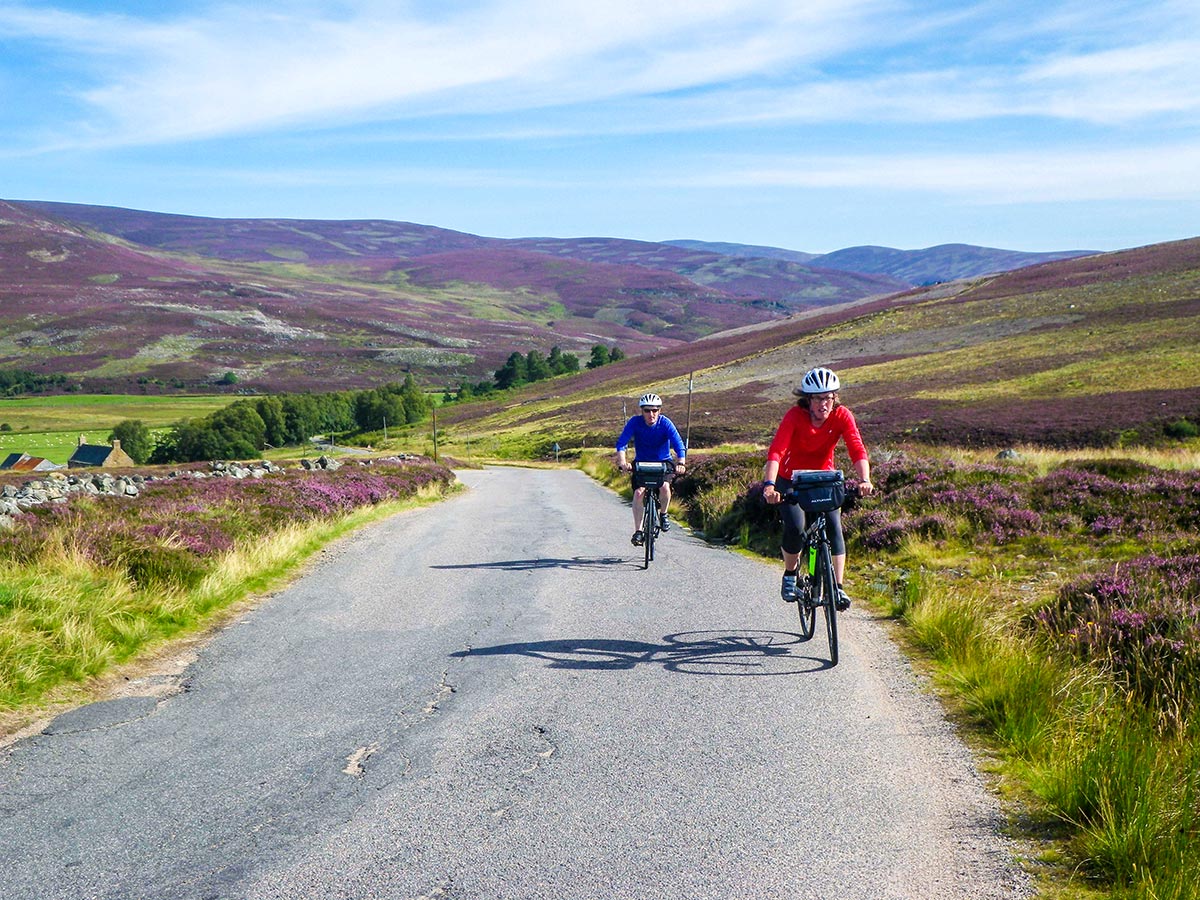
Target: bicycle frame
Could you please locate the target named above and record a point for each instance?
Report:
(655, 474)
(817, 584)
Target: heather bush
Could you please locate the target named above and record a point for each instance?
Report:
(722, 496)
(1140, 620)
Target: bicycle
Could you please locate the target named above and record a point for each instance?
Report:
(651, 476)
(817, 492)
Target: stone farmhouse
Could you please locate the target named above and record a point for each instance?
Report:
(99, 456)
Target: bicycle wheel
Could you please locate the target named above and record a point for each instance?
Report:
(828, 586)
(807, 608)
(649, 520)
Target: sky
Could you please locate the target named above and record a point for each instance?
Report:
(811, 125)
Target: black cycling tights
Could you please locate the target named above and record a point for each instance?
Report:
(793, 529)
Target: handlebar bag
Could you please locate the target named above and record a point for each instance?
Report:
(649, 474)
(818, 490)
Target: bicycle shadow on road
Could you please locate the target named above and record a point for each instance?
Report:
(519, 565)
(741, 653)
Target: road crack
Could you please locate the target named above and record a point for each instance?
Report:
(544, 754)
(355, 761)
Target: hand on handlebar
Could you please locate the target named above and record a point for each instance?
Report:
(771, 495)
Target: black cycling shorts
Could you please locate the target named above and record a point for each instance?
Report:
(793, 529)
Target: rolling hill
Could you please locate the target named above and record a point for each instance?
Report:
(129, 300)
(118, 315)
(787, 283)
(1085, 351)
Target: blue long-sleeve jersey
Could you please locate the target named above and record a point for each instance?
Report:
(653, 443)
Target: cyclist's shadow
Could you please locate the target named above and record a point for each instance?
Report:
(694, 653)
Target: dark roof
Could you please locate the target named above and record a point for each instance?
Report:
(11, 460)
(90, 455)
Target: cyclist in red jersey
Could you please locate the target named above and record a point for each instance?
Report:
(806, 439)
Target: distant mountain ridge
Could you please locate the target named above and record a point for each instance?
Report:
(945, 262)
(732, 267)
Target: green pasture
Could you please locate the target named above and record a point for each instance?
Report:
(50, 426)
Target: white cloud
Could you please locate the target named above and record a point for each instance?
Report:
(239, 70)
(564, 67)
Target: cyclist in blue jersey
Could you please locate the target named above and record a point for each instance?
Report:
(654, 436)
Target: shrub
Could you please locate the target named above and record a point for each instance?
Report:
(1141, 621)
(136, 439)
(1182, 429)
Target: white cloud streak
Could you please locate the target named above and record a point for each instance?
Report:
(240, 70)
(635, 67)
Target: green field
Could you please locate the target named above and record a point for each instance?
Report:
(50, 426)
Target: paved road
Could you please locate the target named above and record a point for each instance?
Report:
(490, 699)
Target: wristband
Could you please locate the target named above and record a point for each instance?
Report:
(768, 483)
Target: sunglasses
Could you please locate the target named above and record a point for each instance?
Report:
(651, 408)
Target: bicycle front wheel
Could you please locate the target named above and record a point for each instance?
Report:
(649, 520)
(825, 579)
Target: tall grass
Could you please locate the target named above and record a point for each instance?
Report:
(92, 584)
(1088, 755)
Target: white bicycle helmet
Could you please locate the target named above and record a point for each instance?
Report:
(650, 400)
(819, 381)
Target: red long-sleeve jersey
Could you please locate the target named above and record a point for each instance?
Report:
(798, 445)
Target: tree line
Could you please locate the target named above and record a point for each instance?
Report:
(245, 428)
(20, 381)
(526, 368)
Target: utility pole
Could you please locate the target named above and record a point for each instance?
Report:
(435, 453)
(385, 428)
(687, 428)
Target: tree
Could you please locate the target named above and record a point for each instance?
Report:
(599, 357)
(416, 404)
(301, 417)
(376, 409)
(514, 372)
(616, 354)
(561, 363)
(136, 439)
(271, 411)
(536, 366)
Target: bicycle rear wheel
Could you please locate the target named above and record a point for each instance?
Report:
(827, 583)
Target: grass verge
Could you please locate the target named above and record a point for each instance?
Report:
(67, 618)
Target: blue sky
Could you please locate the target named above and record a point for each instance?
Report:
(808, 125)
